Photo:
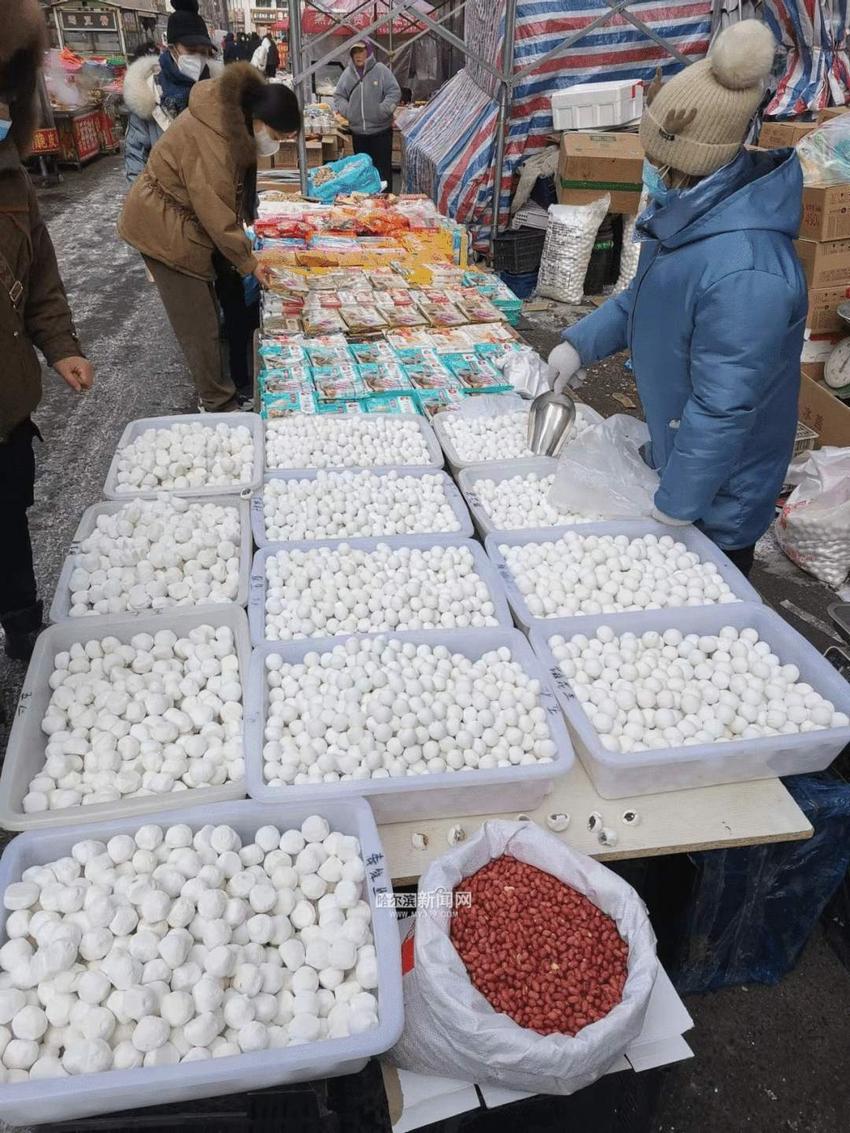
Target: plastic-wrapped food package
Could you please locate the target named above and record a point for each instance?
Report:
(825, 153)
(813, 528)
(570, 235)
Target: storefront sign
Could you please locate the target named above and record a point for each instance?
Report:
(45, 141)
(88, 21)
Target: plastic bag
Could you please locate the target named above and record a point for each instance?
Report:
(825, 153)
(603, 471)
(570, 235)
(451, 1030)
(813, 528)
(354, 174)
(526, 371)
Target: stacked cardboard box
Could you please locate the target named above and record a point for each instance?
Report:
(592, 164)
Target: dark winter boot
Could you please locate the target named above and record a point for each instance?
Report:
(22, 627)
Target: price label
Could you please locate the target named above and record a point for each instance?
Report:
(562, 684)
(257, 504)
(75, 547)
(23, 704)
(376, 872)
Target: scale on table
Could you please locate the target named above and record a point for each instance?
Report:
(550, 419)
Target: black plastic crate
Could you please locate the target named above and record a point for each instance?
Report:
(519, 251)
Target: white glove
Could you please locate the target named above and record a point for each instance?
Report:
(565, 361)
(662, 517)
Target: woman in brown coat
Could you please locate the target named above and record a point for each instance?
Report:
(197, 191)
(34, 313)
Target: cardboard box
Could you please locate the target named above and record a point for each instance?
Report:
(822, 317)
(826, 212)
(821, 410)
(287, 156)
(593, 164)
(825, 264)
(831, 112)
(776, 135)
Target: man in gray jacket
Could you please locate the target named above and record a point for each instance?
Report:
(367, 94)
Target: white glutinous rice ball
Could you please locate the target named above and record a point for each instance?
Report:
(330, 441)
(186, 456)
(498, 437)
(522, 501)
(156, 995)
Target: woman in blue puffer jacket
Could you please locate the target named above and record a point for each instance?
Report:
(715, 316)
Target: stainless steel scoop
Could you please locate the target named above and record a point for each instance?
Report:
(550, 419)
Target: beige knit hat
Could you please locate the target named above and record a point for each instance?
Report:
(697, 121)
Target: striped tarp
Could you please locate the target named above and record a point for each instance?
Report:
(450, 149)
(817, 71)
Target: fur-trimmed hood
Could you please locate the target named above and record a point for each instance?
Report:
(220, 105)
(139, 94)
(23, 40)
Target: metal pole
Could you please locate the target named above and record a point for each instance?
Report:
(297, 64)
(505, 99)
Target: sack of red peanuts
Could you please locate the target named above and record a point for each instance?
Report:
(530, 965)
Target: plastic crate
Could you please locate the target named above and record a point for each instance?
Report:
(690, 537)
(35, 1102)
(483, 568)
(617, 775)
(519, 251)
(27, 743)
(522, 285)
(432, 445)
(436, 795)
(209, 421)
(60, 609)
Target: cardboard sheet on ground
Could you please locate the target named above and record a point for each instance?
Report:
(660, 1042)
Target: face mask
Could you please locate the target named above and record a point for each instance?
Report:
(267, 146)
(653, 182)
(5, 127)
(191, 66)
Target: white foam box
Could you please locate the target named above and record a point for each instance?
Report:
(453, 496)
(62, 1099)
(617, 775)
(209, 421)
(27, 743)
(595, 106)
(60, 609)
(438, 795)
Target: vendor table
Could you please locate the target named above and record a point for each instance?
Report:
(702, 818)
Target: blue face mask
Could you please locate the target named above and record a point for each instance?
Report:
(653, 182)
(5, 127)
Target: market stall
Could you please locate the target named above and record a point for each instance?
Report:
(103, 29)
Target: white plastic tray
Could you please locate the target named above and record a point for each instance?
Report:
(209, 421)
(618, 774)
(483, 568)
(693, 539)
(404, 798)
(512, 404)
(62, 1099)
(61, 605)
(431, 442)
(469, 476)
(453, 497)
(27, 743)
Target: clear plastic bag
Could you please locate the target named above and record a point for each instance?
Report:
(603, 471)
(527, 372)
(570, 235)
(825, 153)
(813, 528)
(451, 1030)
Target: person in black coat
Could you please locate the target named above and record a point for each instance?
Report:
(230, 54)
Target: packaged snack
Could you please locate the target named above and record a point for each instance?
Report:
(287, 405)
(479, 309)
(320, 321)
(474, 372)
(443, 314)
(327, 350)
(405, 316)
(432, 402)
(282, 324)
(363, 318)
(338, 382)
(383, 404)
(384, 377)
(351, 406)
(282, 350)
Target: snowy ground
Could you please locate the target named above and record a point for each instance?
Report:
(767, 1059)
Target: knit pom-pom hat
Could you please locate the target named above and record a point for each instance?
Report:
(697, 121)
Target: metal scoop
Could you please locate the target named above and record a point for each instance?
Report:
(550, 419)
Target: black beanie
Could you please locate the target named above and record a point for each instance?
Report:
(186, 26)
